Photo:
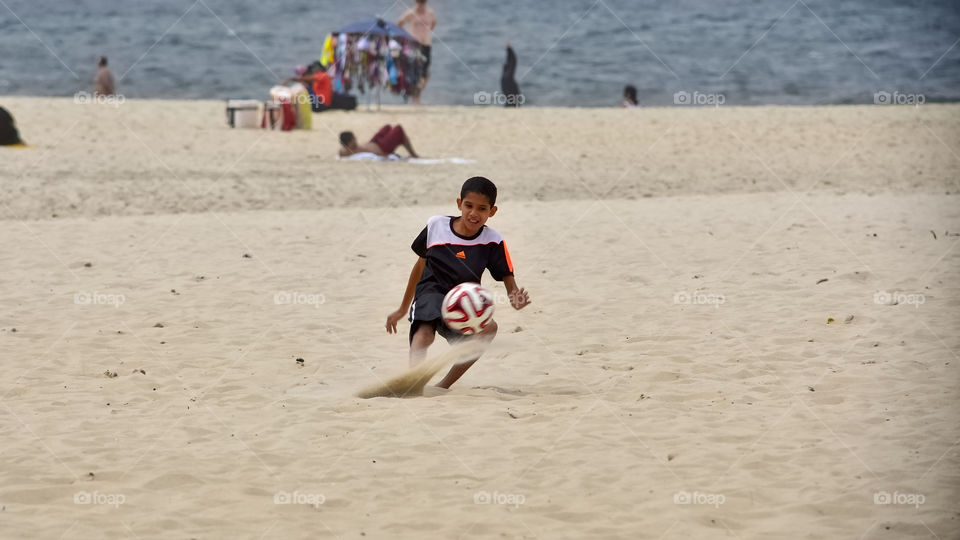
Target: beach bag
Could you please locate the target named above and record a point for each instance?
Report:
(283, 96)
(344, 102)
(301, 102)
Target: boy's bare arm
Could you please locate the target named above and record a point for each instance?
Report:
(519, 298)
(407, 296)
(415, 274)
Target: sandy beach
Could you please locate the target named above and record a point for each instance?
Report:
(745, 324)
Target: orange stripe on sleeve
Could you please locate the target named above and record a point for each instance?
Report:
(507, 253)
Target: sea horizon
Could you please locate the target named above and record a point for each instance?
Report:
(570, 53)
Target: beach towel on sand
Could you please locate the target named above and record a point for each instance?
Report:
(370, 156)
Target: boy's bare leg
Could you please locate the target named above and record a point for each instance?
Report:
(455, 373)
(458, 370)
(422, 339)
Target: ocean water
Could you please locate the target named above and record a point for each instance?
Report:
(571, 52)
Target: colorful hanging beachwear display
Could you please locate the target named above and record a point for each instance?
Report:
(367, 62)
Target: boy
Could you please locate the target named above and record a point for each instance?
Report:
(454, 250)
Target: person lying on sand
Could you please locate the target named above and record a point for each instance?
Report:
(382, 144)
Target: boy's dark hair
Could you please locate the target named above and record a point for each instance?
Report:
(103, 61)
(481, 185)
(346, 137)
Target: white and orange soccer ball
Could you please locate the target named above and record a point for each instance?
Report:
(468, 308)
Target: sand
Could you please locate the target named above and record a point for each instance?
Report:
(411, 383)
(744, 325)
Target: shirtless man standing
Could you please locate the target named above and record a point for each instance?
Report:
(103, 83)
(421, 21)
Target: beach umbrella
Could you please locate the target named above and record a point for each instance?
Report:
(376, 27)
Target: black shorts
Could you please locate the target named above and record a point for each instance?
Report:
(425, 49)
(426, 310)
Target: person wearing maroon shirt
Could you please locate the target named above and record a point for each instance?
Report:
(383, 143)
(453, 250)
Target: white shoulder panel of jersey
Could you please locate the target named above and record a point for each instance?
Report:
(438, 232)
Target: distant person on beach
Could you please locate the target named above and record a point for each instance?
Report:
(319, 83)
(629, 97)
(508, 85)
(382, 144)
(103, 84)
(421, 21)
(8, 130)
(320, 88)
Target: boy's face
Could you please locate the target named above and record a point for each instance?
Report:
(475, 209)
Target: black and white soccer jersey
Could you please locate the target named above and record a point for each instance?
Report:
(453, 259)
